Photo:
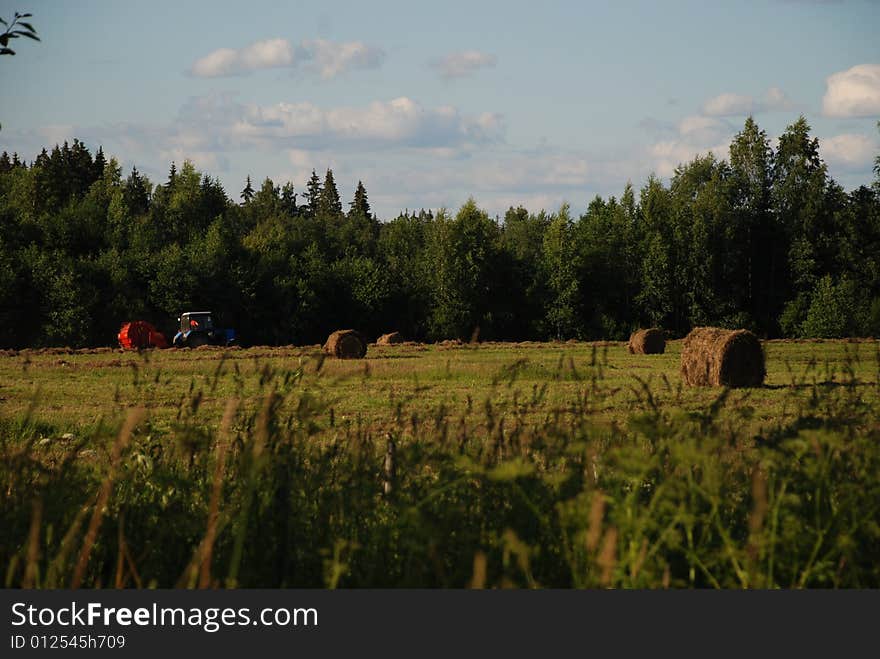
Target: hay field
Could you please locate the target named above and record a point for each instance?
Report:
(68, 390)
(527, 465)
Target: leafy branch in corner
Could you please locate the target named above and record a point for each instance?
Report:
(17, 28)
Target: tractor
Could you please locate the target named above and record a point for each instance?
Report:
(197, 329)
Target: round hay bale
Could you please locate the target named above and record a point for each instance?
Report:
(715, 357)
(647, 342)
(390, 339)
(346, 344)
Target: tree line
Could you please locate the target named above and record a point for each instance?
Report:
(764, 239)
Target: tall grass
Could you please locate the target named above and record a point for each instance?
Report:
(285, 494)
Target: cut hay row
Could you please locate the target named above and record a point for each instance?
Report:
(390, 339)
(647, 342)
(715, 357)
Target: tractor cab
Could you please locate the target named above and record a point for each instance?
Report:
(196, 320)
(197, 329)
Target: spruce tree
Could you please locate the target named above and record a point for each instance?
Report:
(99, 164)
(313, 194)
(288, 199)
(360, 205)
(248, 193)
(328, 203)
(136, 194)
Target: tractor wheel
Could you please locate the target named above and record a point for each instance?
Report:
(196, 340)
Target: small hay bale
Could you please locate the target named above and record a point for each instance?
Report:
(715, 357)
(390, 339)
(346, 344)
(647, 342)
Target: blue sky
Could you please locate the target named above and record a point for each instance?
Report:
(429, 103)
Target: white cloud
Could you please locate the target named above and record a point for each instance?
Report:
(326, 58)
(463, 63)
(702, 130)
(331, 59)
(850, 152)
(775, 99)
(725, 105)
(401, 122)
(267, 54)
(209, 128)
(853, 93)
(729, 104)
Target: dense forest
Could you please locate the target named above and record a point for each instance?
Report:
(765, 240)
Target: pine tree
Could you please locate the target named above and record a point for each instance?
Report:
(328, 203)
(99, 164)
(5, 163)
(360, 205)
(313, 194)
(248, 193)
(78, 169)
(288, 200)
(136, 194)
(172, 176)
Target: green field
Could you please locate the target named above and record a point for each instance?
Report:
(74, 389)
(528, 465)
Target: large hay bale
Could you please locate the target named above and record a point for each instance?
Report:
(647, 342)
(346, 344)
(715, 357)
(390, 339)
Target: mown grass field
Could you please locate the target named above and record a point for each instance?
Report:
(72, 390)
(572, 465)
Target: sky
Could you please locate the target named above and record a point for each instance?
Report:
(511, 103)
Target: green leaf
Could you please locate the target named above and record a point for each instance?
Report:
(4, 39)
(27, 26)
(7, 51)
(30, 36)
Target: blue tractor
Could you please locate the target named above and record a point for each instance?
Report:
(197, 329)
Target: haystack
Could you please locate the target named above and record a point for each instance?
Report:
(715, 357)
(390, 339)
(346, 344)
(647, 342)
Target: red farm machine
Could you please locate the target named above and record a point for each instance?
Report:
(196, 329)
(140, 334)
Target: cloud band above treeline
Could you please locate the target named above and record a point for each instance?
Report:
(325, 58)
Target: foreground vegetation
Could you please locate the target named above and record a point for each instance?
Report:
(538, 465)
